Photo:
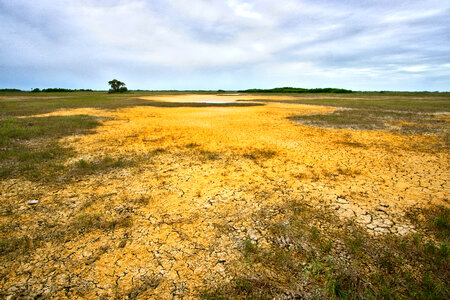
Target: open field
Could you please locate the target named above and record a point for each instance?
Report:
(144, 195)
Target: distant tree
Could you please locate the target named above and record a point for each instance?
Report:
(56, 90)
(297, 90)
(36, 90)
(117, 86)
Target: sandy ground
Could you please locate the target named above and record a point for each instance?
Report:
(205, 192)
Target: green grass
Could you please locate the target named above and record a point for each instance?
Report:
(367, 119)
(30, 148)
(60, 232)
(378, 111)
(341, 260)
(25, 104)
(407, 102)
(14, 130)
(438, 221)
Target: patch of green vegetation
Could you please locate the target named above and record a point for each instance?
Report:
(440, 220)
(392, 101)
(25, 104)
(14, 130)
(405, 113)
(54, 231)
(436, 220)
(312, 254)
(29, 146)
(376, 120)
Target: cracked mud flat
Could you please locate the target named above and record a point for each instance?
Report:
(205, 186)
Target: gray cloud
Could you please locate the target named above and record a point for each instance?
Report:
(211, 44)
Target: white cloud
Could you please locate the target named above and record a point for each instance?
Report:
(415, 69)
(243, 9)
(203, 43)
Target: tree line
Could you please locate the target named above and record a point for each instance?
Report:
(58, 90)
(297, 90)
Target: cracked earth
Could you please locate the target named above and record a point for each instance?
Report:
(203, 177)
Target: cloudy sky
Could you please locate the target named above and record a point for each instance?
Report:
(226, 44)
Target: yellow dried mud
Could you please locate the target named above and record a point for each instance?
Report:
(214, 170)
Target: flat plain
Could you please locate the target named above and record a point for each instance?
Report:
(224, 196)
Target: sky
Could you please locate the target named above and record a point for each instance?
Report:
(227, 44)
